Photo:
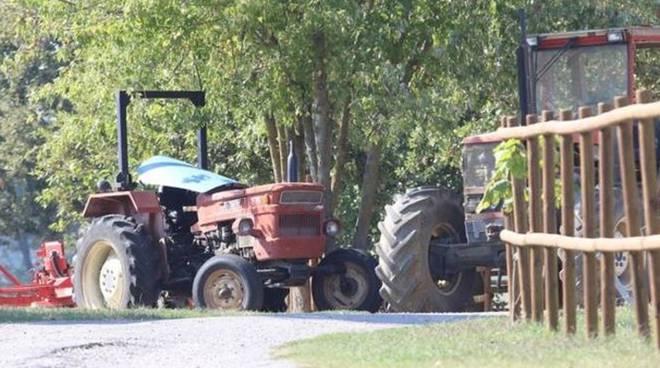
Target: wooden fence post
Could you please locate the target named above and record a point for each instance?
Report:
(568, 224)
(511, 272)
(520, 223)
(535, 222)
(635, 243)
(588, 226)
(629, 186)
(606, 194)
(550, 227)
(648, 163)
(511, 269)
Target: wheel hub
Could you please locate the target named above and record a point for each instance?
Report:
(620, 263)
(224, 290)
(110, 277)
(225, 293)
(348, 290)
(348, 286)
(446, 283)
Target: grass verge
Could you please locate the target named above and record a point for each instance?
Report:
(490, 342)
(9, 315)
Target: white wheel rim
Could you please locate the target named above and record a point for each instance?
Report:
(111, 279)
(102, 277)
(621, 259)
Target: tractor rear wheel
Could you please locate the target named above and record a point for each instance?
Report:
(409, 282)
(116, 266)
(228, 282)
(356, 288)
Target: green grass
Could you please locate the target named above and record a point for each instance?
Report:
(491, 342)
(9, 315)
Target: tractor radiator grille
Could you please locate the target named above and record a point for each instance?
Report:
(300, 225)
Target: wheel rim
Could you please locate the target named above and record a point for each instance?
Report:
(224, 289)
(348, 290)
(620, 263)
(444, 233)
(103, 280)
(622, 259)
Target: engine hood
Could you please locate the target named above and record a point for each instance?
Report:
(168, 172)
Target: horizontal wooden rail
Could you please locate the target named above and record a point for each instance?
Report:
(638, 243)
(636, 160)
(565, 127)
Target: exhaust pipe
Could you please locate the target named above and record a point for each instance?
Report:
(292, 164)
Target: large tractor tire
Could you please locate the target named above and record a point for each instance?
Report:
(117, 265)
(228, 282)
(409, 283)
(354, 289)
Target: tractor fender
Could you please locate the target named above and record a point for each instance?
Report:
(143, 206)
(125, 203)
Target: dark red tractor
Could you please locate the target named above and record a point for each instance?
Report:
(193, 235)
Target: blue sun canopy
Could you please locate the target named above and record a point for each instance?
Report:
(168, 172)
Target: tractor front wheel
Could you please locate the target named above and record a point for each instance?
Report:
(228, 282)
(356, 288)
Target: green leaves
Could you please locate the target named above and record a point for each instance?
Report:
(510, 162)
(419, 76)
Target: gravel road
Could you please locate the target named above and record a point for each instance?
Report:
(236, 341)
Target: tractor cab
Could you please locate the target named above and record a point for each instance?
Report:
(571, 69)
(559, 71)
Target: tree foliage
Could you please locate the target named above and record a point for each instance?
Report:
(407, 80)
(23, 119)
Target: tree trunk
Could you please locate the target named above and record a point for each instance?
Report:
(284, 152)
(299, 148)
(273, 147)
(310, 147)
(342, 151)
(367, 196)
(322, 122)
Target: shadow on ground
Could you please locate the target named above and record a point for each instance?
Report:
(387, 318)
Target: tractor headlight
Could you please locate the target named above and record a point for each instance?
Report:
(614, 36)
(532, 41)
(245, 227)
(331, 228)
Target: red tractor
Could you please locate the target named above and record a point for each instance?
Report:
(201, 235)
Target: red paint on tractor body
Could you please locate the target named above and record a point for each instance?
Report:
(289, 231)
(282, 230)
(126, 202)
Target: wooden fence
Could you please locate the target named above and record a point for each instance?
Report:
(532, 239)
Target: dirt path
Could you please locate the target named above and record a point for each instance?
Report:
(240, 341)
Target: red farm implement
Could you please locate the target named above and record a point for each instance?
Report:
(51, 284)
